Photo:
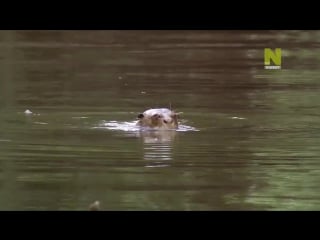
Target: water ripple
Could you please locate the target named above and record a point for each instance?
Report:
(132, 126)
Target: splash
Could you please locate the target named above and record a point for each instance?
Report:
(132, 127)
(115, 125)
(186, 128)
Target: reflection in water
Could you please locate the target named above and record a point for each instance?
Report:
(157, 144)
(158, 147)
(154, 137)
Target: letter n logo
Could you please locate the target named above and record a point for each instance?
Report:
(275, 56)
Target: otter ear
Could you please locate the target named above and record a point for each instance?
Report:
(140, 115)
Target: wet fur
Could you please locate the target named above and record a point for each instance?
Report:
(158, 118)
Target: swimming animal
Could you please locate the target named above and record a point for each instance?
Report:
(158, 118)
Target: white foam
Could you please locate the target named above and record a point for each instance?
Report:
(27, 112)
(132, 127)
(238, 118)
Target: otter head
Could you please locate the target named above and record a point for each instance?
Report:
(161, 118)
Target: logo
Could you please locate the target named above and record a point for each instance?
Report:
(275, 56)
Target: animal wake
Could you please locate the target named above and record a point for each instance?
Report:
(150, 120)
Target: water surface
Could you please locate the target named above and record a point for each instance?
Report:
(249, 139)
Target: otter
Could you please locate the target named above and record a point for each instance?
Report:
(158, 118)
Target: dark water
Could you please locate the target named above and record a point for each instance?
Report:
(258, 138)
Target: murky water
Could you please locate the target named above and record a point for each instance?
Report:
(248, 139)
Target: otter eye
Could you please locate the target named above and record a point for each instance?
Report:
(156, 116)
(165, 121)
(140, 115)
